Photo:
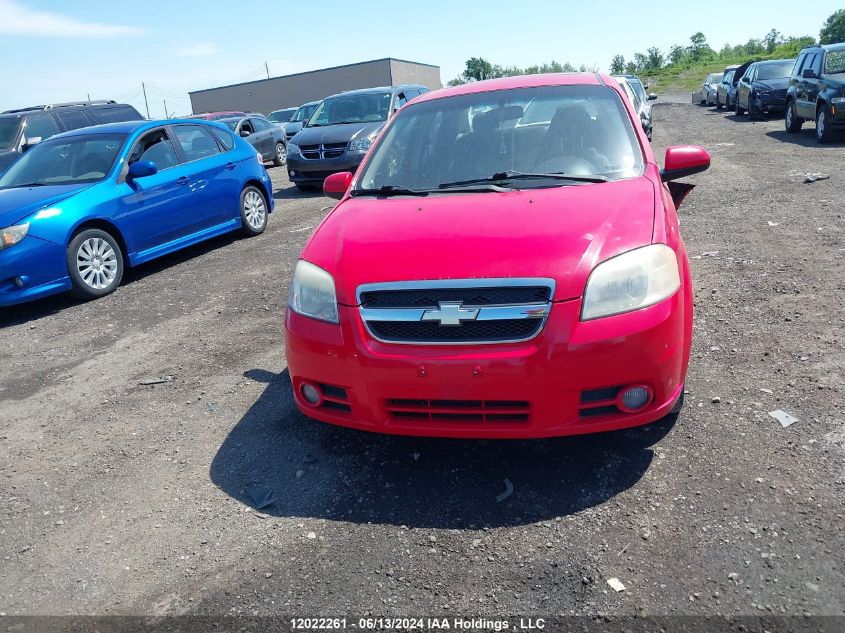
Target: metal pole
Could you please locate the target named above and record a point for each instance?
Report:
(89, 96)
(166, 116)
(144, 88)
(267, 68)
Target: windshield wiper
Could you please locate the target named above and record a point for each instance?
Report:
(500, 176)
(27, 184)
(389, 190)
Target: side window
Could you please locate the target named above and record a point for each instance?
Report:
(749, 74)
(156, 148)
(808, 62)
(817, 64)
(247, 126)
(115, 114)
(42, 125)
(196, 142)
(260, 125)
(796, 68)
(401, 100)
(74, 119)
(225, 138)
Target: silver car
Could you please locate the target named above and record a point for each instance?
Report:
(707, 93)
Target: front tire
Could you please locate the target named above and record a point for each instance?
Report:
(253, 211)
(739, 111)
(824, 133)
(94, 263)
(791, 119)
(718, 105)
(281, 156)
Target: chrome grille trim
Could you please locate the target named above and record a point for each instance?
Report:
(499, 313)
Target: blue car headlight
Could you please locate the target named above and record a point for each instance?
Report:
(293, 149)
(12, 235)
(360, 144)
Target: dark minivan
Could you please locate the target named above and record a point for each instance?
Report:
(816, 91)
(21, 129)
(341, 130)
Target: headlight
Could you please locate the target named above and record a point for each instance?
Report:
(293, 149)
(631, 281)
(360, 144)
(312, 293)
(13, 235)
(763, 92)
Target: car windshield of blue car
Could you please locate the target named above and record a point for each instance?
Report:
(8, 131)
(548, 136)
(365, 107)
(65, 161)
(774, 71)
(834, 62)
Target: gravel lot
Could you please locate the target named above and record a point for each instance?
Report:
(122, 498)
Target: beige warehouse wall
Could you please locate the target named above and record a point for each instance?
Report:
(409, 73)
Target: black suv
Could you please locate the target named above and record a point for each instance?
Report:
(817, 91)
(23, 128)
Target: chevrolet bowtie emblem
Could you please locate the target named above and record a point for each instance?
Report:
(450, 313)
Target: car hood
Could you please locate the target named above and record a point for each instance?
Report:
(7, 157)
(560, 232)
(16, 204)
(778, 83)
(336, 133)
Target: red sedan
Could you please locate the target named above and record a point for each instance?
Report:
(506, 263)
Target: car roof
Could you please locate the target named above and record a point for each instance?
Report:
(310, 103)
(827, 47)
(520, 81)
(128, 127)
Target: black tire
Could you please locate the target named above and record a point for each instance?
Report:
(824, 133)
(280, 157)
(791, 120)
(739, 111)
(718, 105)
(94, 263)
(254, 210)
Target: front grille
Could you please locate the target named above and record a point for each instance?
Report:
(456, 311)
(430, 298)
(779, 94)
(468, 331)
(326, 150)
(415, 410)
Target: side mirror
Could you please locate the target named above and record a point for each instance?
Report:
(29, 142)
(244, 133)
(652, 96)
(808, 73)
(684, 160)
(336, 185)
(141, 169)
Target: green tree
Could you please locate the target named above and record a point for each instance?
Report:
(655, 58)
(699, 48)
(772, 40)
(478, 69)
(617, 65)
(677, 54)
(641, 61)
(833, 30)
(630, 68)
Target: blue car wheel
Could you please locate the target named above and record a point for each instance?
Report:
(95, 263)
(253, 211)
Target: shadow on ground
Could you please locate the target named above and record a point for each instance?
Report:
(806, 138)
(322, 471)
(295, 192)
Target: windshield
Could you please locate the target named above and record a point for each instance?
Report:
(363, 107)
(774, 71)
(834, 61)
(281, 116)
(304, 113)
(713, 79)
(637, 87)
(729, 77)
(8, 131)
(65, 161)
(582, 131)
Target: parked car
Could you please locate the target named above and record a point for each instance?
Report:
(707, 92)
(341, 130)
(280, 117)
(726, 90)
(80, 207)
(762, 88)
(265, 137)
(23, 128)
(636, 92)
(817, 91)
(485, 278)
(299, 118)
(216, 116)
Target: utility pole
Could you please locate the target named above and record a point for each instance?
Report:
(144, 88)
(267, 68)
(166, 116)
(89, 96)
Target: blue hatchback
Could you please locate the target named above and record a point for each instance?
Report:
(77, 208)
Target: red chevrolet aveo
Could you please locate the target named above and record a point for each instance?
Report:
(506, 263)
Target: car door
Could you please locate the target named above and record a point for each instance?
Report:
(155, 210)
(814, 86)
(743, 88)
(246, 130)
(264, 135)
(214, 181)
(804, 89)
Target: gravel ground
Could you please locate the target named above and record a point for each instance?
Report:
(122, 498)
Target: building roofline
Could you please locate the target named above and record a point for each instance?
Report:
(309, 72)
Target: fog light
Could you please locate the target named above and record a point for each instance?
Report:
(292, 173)
(634, 398)
(310, 393)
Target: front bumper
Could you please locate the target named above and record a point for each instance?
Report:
(315, 171)
(363, 378)
(32, 269)
(770, 103)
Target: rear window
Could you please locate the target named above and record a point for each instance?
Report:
(834, 62)
(115, 114)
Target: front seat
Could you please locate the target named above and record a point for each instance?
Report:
(569, 144)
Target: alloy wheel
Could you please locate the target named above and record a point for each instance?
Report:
(281, 154)
(96, 262)
(821, 124)
(255, 210)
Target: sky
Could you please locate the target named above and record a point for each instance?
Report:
(54, 50)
